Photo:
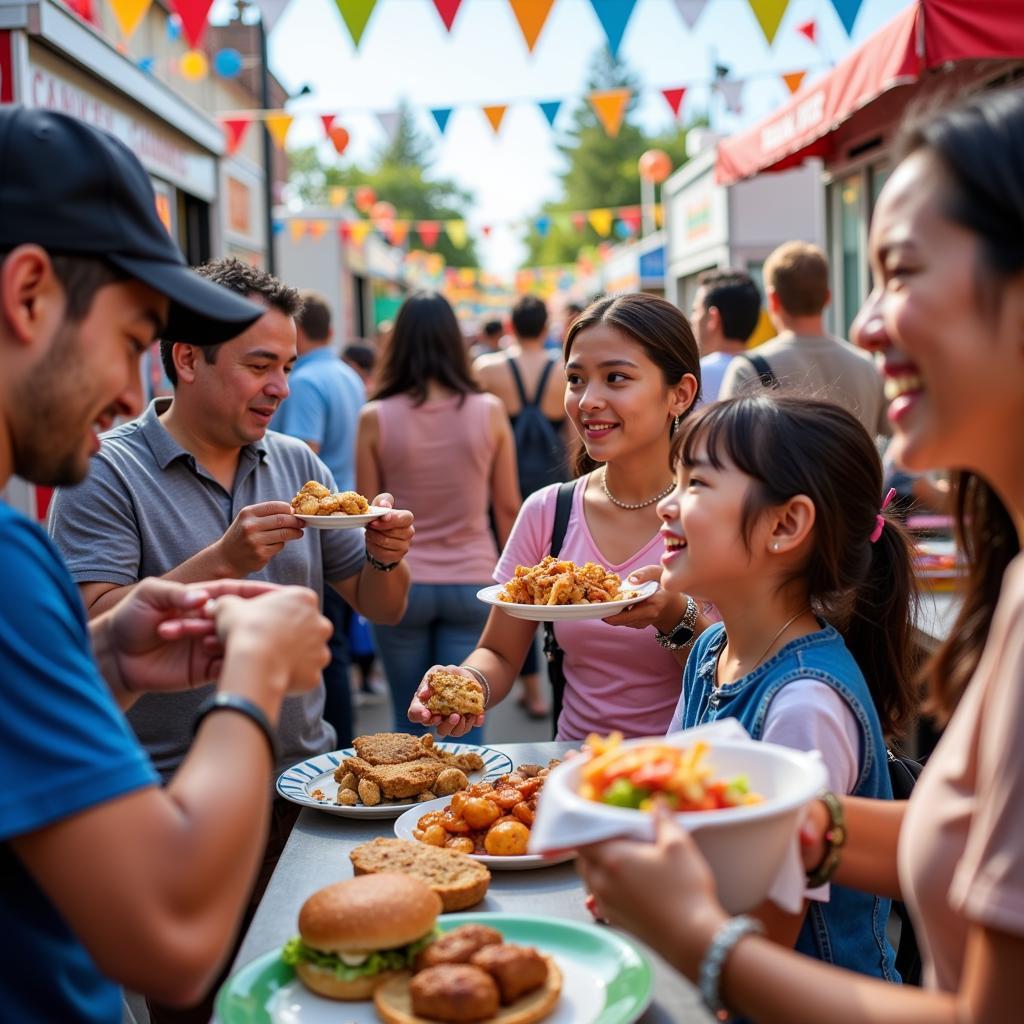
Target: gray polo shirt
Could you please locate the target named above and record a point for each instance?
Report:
(147, 506)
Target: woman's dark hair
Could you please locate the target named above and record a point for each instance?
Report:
(790, 446)
(657, 326)
(981, 147)
(426, 345)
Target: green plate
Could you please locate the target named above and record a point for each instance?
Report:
(606, 979)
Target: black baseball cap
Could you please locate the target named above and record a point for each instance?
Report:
(74, 189)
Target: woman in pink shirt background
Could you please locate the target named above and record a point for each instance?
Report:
(430, 435)
(632, 371)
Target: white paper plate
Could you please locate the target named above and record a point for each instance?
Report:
(298, 782)
(527, 862)
(563, 612)
(343, 522)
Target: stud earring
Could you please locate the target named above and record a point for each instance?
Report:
(775, 546)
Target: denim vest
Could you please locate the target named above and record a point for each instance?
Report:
(849, 930)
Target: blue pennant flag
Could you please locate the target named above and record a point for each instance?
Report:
(441, 116)
(543, 226)
(614, 15)
(847, 11)
(551, 108)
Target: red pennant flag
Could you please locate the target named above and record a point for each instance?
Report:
(809, 29)
(579, 221)
(234, 129)
(447, 9)
(429, 231)
(328, 120)
(674, 98)
(193, 14)
(632, 218)
(486, 230)
(345, 231)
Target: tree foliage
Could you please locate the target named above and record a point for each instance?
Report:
(398, 173)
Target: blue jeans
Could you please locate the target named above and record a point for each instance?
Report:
(441, 626)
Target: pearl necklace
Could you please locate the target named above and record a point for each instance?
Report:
(631, 507)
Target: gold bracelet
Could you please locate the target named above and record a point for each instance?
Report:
(835, 840)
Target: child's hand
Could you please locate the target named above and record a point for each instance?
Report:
(652, 611)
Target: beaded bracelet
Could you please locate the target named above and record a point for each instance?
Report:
(710, 973)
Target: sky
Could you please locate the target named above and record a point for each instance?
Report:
(405, 52)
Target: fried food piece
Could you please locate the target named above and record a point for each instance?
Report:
(507, 839)
(516, 969)
(353, 504)
(454, 694)
(346, 798)
(458, 945)
(316, 500)
(466, 762)
(451, 780)
(392, 747)
(305, 505)
(427, 795)
(314, 488)
(408, 779)
(369, 792)
(348, 780)
(554, 582)
(329, 505)
(454, 993)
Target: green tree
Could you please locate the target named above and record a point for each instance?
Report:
(398, 173)
(600, 171)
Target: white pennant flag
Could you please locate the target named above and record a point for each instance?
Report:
(270, 12)
(389, 121)
(731, 89)
(690, 10)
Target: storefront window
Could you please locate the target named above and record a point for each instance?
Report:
(879, 176)
(852, 250)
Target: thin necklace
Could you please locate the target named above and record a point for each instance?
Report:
(785, 626)
(630, 506)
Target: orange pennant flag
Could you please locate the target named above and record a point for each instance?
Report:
(317, 228)
(129, 14)
(601, 221)
(495, 115)
(398, 233)
(296, 228)
(610, 107)
(794, 80)
(360, 229)
(278, 125)
(531, 15)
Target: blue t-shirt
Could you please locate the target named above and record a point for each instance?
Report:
(325, 396)
(64, 747)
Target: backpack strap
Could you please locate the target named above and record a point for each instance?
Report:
(554, 654)
(764, 371)
(519, 383)
(563, 509)
(542, 383)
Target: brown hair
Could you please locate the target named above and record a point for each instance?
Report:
(798, 273)
(790, 446)
(657, 326)
(315, 317)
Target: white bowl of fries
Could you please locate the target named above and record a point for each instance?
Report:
(751, 848)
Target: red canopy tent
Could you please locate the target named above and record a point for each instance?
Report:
(927, 35)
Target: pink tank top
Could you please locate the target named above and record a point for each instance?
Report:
(436, 459)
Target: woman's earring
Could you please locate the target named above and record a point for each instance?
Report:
(675, 424)
(775, 545)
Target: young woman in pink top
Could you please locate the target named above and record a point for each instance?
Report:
(946, 320)
(429, 435)
(632, 371)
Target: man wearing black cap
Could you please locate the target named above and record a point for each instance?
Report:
(103, 873)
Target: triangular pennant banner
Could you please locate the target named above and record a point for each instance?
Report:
(531, 15)
(399, 233)
(317, 229)
(338, 195)
(690, 10)
(456, 231)
(447, 9)
(345, 231)
(328, 120)
(270, 12)
(769, 14)
(632, 218)
(360, 229)
(441, 115)
(278, 125)
(296, 228)
(610, 106)
(193, 14)
(674, 98)
(550, 109)
(389, 121)
(614, 16)
(495, 115)
(809, 29)
(601, 221)
(794, 80)
(429, 232)
(129, 14)
(579, 221)
(355, 14)
(847, 11)
(235, 129)
(732, 90)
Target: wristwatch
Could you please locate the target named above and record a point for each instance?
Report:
(380, 566)
(684, 632)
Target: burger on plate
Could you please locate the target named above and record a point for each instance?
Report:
(356, 935)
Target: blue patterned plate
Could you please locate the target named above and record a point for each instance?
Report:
(311, 783)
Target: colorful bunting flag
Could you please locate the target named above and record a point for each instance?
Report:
(328, 120)
(270, 13)
(389, 121)
(129, 14)
(731, 89)
(809, 29)
(485, 230)
(674, 98)
(690, 11)
(193, 14)
(447, 9)
(360, 229)
(531, 15)
(355, 14)
(339, 137)
(613, 16)
(550, 109)
(794, 80)
(610, 107)
(457, 233)
(847, 11)
(278, 125)
(601, 221)
(429, 232)
(632, 218)
(542, 225)
(235, 129)
(398, 233)
(579, 221)
(296, 228)
(345, 231)
(338, 195)
(495, 114)
(441, 115)
(317, 229)
(769, 14)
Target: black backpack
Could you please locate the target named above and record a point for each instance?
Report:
(540, 452)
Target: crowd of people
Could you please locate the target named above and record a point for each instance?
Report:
(178, 623)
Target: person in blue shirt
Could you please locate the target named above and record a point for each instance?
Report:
(105, 877)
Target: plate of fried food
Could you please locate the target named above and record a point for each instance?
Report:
(489, 821)
(384, 774)
(372, 949)
(316, 505)
(558, 589)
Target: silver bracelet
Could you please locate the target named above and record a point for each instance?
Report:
(710, 973)
(482, 680)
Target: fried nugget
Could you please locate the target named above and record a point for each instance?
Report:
(391, 747)
(305, 505)
(451, 780)
(399, 780)
(458, 945)
(454, 693)
(454, 992)
(315, 488)
(353, 504)
(516, 969)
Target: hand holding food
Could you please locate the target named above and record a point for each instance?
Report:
(316, 500)
(454, 693)
(554, 582)
(662, 609)
(452, 724)
(257, 533)
(389, 538)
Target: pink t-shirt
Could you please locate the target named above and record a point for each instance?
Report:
(615, 677)
(436, 459)
(961, 851)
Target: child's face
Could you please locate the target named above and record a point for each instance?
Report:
(705, 552)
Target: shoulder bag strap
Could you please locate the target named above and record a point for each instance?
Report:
(554, 653)
(764, 371)
(519, 383)
(545, 373)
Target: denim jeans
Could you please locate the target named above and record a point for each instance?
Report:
(441, 625)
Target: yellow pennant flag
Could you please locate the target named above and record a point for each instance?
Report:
(296, 228)
(467, 276)
(317, 228)
(794, 80)
(129, 14)
(495, 115)
(531, 15)
(610, 107)
(601, 221)
(338, 195)
(456, 231)
(769, 15)
(360, 229)
(278, 125)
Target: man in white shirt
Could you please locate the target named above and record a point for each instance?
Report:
(725, 312)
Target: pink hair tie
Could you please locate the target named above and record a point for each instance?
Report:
(880, 519)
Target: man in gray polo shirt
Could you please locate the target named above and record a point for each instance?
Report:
(197, 488)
